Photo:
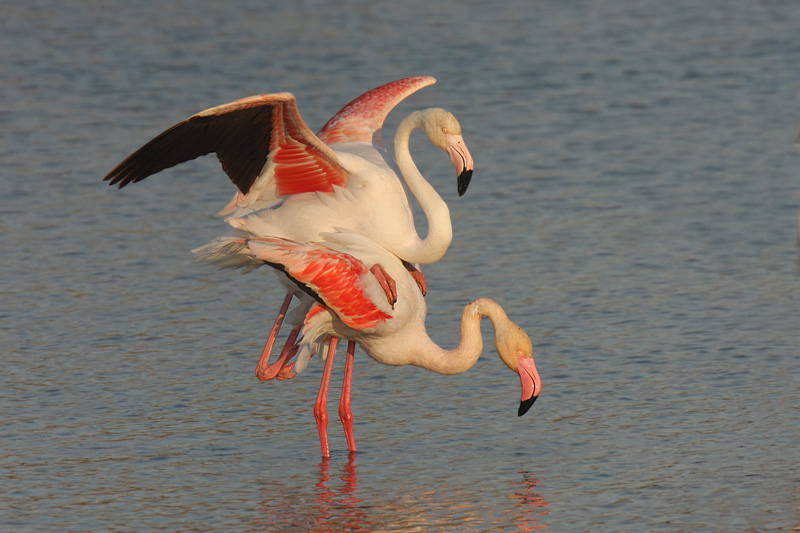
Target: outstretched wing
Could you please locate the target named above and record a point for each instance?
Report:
(339, 280)
(251, 137)
(362, 119)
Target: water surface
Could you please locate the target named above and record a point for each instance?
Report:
(634, 208)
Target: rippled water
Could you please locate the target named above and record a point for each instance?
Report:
(634, 208)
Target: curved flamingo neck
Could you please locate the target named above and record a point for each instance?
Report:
(440, 229)
(466, 354)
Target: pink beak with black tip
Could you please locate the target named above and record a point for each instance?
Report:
(531, 384)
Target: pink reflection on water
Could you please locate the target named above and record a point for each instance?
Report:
(329, 502)
(349, 515)
(531, 503)
(325, 509)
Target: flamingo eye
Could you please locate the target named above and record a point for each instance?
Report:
(444, 130)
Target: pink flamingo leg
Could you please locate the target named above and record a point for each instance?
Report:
(287, 370)
(321, 407)
(279, 368)
(263, 362)
(345, 411)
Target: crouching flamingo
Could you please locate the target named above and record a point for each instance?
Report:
(390, 327)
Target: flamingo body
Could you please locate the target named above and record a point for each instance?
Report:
(398, 337)
(297, 185)
(294, 185)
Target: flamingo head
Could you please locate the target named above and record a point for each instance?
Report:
(444, 131)
(516, 350)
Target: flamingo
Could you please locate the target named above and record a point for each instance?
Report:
(353, 305)
(297, 185)
(281, 168)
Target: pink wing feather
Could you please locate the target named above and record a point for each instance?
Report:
(267, 130)
(338, 279)
(362, 119)
(246, 135)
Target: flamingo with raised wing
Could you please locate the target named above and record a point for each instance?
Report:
(297, 185)
(294, 185)
(354, 305)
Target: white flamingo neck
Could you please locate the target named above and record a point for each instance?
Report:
(440, 229)
(466, 354)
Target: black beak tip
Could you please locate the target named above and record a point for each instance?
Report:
(525, 405)
(463, 181)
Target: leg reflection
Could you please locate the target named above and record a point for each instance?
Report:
(531, 504)
(340, 509)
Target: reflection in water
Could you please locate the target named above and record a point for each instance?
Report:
(324, 509)
(332, 504)
(531, 503)
(340, 509)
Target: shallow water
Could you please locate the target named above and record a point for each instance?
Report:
(634, 208)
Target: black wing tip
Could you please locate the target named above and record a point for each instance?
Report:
(116, 177)
(463, 181)
(113, 180)
(525, 405)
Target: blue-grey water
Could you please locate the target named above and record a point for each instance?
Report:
(634, 208)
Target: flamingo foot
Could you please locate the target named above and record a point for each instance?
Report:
(262, 368)
(419, 277)
(286, 373)
(267, 372)
(386, 281)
